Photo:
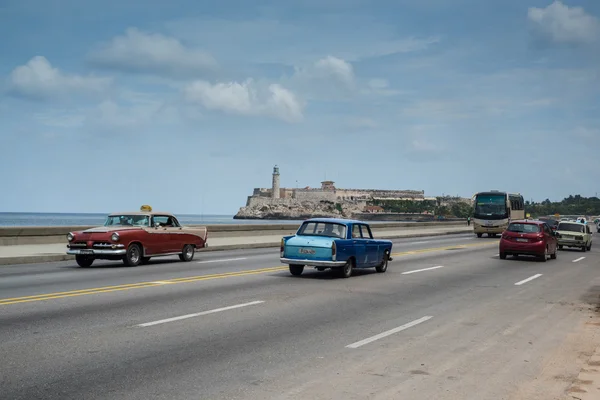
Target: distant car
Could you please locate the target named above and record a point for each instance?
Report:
(135, 237)
(339, 244)
(552, 223)
(528, 237)
(574, 234)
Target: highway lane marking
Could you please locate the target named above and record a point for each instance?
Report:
(222, 260)
(388, 333)
(216, 310)
(578, 259)
(420, 270)
(140, 285)
(106, 289)
(458, 246)
(528, 279)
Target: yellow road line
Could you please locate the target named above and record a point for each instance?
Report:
(162, 282)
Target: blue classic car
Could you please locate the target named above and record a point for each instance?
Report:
(339, 244)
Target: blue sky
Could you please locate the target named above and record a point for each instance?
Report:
(187, 105)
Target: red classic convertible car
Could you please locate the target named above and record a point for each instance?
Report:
(135, 237)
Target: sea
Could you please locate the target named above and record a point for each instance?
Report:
(77, 219)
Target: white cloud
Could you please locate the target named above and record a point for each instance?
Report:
(563, 24)
(246, 98)
(138, 51)
(324, 78)
(38, 79)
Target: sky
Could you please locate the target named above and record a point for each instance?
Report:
(187, 105)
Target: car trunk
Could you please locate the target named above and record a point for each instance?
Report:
(309, 247)
(523, 237)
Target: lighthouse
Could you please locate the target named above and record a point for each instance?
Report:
(275, 189)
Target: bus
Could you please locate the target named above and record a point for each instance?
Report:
(494, 210)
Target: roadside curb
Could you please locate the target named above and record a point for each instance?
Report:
(45, 258)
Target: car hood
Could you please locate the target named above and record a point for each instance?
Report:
(106, 229)
(310, 241)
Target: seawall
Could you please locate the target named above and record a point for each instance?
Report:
(57, 234)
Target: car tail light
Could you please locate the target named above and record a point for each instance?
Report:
(333, 250)
(281, 247)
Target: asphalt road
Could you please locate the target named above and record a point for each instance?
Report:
(448, 320)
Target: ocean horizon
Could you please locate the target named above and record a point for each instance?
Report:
(94, 219)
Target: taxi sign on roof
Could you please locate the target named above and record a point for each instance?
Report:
(145, 208)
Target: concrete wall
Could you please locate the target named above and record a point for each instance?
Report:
(58, 234)
(314, 195)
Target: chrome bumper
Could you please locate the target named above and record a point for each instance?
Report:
(313, 263)
(94, 252)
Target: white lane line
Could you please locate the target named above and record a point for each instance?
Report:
(579, 259)
(420, 270)
(222, 260)
(528, 279)
(216, 310)
(388, 333)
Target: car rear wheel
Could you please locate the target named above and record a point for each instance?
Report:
(479, 235)
(584, 248)
(346, 270)
(553, 255)
(84, 261)
(503, 256)
(187, 253)
(296, 270)
(560, 246)
(384, 263)
(133, 257)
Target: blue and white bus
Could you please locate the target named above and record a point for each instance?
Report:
(494, 210)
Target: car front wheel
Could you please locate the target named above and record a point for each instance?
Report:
(384, 263)
(133, 257)
(84, 261)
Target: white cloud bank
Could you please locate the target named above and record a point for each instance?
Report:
(563, 24)
(39, 79)
(138, 51)
(246, 98)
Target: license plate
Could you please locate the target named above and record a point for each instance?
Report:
(307, 251)
(522, 240)
(86, 252)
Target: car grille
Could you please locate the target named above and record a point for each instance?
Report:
(95, 245)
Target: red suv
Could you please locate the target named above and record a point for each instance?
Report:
(528, 237)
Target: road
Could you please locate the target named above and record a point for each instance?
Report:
(448, 320)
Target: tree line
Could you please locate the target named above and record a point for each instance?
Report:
(572, 205)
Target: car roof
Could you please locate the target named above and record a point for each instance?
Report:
(528, 221)
(336, 220)
(141, 213)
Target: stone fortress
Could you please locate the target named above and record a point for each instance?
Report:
(327, 201)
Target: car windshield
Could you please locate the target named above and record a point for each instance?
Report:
(523, 228)
(329, 229)
(127, 220)
(571, 227)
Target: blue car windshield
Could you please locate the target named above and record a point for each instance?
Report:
(327, 229)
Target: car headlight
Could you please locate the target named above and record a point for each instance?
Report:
(114, 237)
(70, 237)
